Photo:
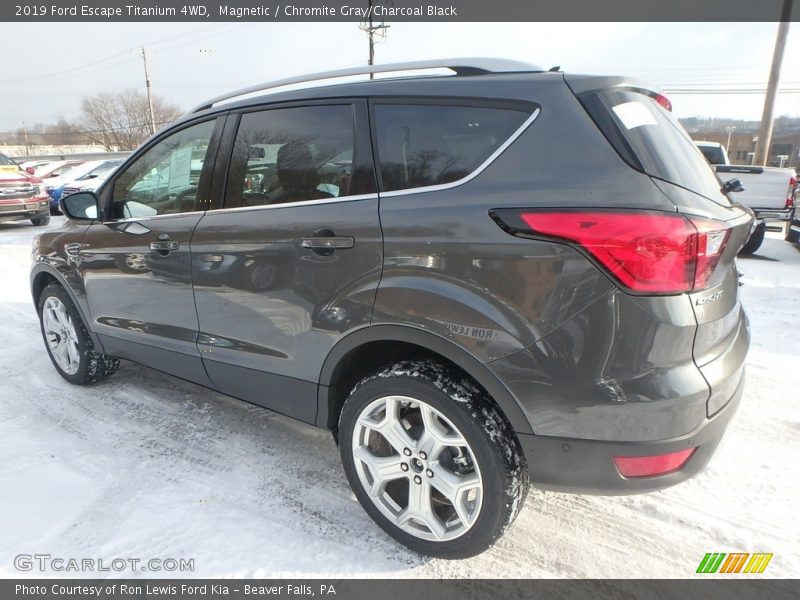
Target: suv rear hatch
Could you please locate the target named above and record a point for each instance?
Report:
(639, 124)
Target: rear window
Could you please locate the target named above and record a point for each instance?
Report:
(5, 161)
(650, 138)
(431, 144)
(714, 154)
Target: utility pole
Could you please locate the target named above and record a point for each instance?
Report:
(25, 133)
(730, 130)
(765, 131)
(149, 96)
(373, 31)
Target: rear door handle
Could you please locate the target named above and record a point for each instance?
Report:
(327, 243)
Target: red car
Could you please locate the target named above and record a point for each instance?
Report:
(22, 197)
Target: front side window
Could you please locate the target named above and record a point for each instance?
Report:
(165, 178)
(291, 155)
(423, 144)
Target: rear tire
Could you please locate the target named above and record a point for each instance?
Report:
(755, 241)
(41, 221)
(452, 474)
(68, 341)
(791, 235)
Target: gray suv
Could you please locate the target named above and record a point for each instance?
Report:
(478, 282)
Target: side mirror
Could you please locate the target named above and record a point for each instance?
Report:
(30, 170)
(732, 185)
(81, 206)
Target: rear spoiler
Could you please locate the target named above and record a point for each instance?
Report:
(585, 84)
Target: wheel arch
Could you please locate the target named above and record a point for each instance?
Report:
(364, 350)
(42, 276)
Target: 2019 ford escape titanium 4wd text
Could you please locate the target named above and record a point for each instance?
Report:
(476, 281)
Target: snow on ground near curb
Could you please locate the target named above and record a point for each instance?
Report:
(147, 466)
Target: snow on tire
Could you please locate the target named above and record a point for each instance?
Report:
(68, 341)
(432, 459)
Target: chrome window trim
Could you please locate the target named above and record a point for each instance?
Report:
(356, 197)
(482, 167)
(374, 196)
(151, 217)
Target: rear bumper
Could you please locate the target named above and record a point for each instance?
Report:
(773, 215)
(587, 466)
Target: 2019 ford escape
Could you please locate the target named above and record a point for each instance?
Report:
(476, 281)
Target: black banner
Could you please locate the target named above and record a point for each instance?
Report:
(394, 10)
(745, 588)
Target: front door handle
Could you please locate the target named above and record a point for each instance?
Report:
(73, 248)
(163, 245)
(327, 243)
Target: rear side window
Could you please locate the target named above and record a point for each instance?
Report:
(291, 155)
(650, 138)
(425, 144)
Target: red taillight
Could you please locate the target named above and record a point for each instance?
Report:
(790, 194)
(658, 253)
(649, 466)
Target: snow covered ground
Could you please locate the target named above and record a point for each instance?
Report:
(147, 466)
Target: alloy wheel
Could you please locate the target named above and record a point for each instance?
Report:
(61, 336)
(417, 468)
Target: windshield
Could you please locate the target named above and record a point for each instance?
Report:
(5, 161)
(101, 170)
(78, 171)
(657, 141)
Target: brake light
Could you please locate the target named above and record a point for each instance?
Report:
(663, 101)
(657, 253)
(791, 193)
(649, 466)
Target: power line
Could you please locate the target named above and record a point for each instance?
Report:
(236, 27)
(75, 70)
(90, 131)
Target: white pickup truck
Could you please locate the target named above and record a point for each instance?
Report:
(769, 191)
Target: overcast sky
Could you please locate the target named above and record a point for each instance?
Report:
(58, 63)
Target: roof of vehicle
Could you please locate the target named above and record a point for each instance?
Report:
(459, 66)
(55, 165)
(708, 144)
(473, 77)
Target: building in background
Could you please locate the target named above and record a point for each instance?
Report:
(784, 151)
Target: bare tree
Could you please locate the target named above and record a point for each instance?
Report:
(44, 134)
(121, 120)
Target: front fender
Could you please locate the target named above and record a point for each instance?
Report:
(49, 269)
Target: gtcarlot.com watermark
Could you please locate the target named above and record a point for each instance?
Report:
(59, 564)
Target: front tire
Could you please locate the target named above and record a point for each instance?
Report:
(41, 221)
(431, 459)
(68, 342)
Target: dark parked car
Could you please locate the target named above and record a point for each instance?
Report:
(413, 264)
